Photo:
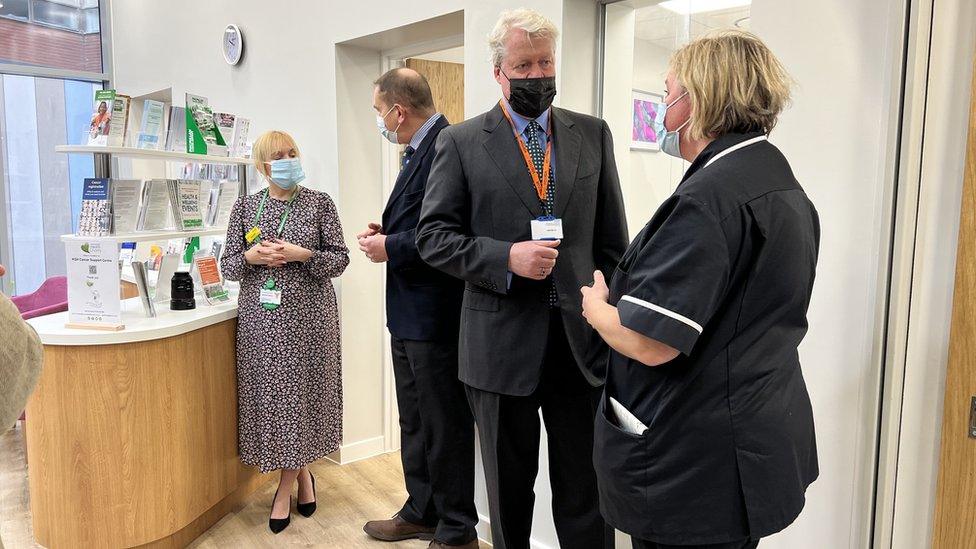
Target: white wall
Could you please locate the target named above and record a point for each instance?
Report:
(839, 137)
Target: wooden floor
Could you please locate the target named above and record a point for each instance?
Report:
(347, 497)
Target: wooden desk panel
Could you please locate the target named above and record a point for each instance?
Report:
(136, 443)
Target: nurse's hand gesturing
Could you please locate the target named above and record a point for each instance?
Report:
(594, 296)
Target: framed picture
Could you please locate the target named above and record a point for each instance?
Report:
(646, 106)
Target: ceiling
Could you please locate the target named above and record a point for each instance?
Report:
(668, 29)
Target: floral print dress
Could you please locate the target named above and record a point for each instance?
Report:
(289, 367)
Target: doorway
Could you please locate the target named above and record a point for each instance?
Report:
(368, 167)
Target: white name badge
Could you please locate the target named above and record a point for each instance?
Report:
(547, 228)
(270, 297)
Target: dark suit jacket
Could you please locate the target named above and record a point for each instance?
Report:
(422, 303)
(479, 201)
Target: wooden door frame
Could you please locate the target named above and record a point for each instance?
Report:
(960, 394)
(922, 265)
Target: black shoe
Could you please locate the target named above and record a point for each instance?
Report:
(308, 509)
(277, 525)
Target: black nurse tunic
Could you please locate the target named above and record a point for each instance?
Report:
(723, 273)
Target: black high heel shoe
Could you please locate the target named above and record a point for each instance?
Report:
(308, 509)
(277, 525)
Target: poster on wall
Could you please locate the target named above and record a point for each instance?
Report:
(646, 107)
(93, 284)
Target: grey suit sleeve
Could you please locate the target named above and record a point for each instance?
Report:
(443, 233)
(610, 241)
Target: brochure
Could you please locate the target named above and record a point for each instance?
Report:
(185, 200)
(176, 136)
(213, 287)
(95, 218)
(101, 120)
(142, 282)
(126, 194)
(153, 113)
(120, 118)
(202, 136)
(155, 213)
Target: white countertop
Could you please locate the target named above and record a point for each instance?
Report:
(138, 327)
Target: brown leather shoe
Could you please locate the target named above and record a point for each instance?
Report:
(397, 529)
(439, 545)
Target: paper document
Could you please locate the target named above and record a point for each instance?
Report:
(626, 420)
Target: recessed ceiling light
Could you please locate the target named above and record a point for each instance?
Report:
(688, 7)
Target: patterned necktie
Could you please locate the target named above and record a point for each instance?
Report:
(407, 153)
(538, 155)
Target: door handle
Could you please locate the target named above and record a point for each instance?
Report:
(972, 419)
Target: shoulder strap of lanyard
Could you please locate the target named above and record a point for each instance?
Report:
(284, 216)
(734, 148)
(541, 183)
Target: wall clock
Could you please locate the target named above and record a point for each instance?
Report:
(232, 44)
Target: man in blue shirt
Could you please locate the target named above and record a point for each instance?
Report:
(423, 307)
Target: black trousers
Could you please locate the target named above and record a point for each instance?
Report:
(745, 544)
(509, 431)
(436, 439)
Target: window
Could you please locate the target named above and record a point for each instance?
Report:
(60, 34)
(50, 67)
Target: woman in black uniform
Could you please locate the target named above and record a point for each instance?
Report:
(705, 434)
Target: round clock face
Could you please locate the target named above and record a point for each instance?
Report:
(232, 44)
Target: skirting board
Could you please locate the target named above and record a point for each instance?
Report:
(363, 449)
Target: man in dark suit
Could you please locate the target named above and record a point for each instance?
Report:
(423, 312)
(500, 185)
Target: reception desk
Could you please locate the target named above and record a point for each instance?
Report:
(132, 435)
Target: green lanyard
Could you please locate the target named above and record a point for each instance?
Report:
(284, 216)
(270, 284)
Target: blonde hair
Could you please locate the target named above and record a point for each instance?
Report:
(532, 22)
(269, 143)
(734, 82)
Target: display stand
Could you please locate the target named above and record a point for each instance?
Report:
(94, 278)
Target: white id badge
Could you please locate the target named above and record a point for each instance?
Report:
(547, 228)
(270, 297)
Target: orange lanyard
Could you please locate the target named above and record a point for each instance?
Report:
(541, 184)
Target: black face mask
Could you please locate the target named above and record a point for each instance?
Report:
(530, 97)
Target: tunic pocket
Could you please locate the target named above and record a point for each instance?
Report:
(621, 461)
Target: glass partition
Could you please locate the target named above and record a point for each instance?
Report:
(640, 36)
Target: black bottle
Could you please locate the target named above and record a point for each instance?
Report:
(181, 292)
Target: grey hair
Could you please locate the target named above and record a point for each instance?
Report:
(530, 21)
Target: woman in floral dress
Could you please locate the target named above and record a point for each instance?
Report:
(284, 244)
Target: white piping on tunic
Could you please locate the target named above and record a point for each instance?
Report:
(734, 148)
(658, 309)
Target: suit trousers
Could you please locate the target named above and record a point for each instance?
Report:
(744, 544)
(436, 439)
(509, 432)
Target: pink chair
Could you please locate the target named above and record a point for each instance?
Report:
(51, 297)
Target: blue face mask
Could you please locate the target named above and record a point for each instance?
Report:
(286, 172)
(670, 140)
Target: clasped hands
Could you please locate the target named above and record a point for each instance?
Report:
(276, 253)
(372, 242)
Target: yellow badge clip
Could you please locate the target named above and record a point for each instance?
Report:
(253, 235)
